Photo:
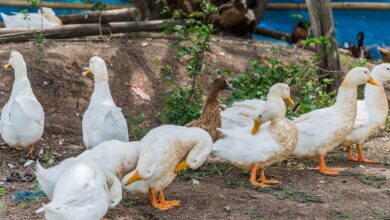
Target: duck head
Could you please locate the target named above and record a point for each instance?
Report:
(381, 73)
(221, 84)
(358, 76)
(17, 63)
(197, 156)
(147, 166)
(267, 113)
(97, 67)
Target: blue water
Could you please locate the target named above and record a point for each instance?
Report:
(374, 24)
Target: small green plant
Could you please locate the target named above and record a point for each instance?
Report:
(387, 127)
(184, 103)
(47, 158)
(138, 125)
(129, 202)
(256, 81)
(207, 170)
(39, 37)
(341, 215)
(372, 180)
(299, 19)
(97, 5)
(322, 40)
(3, 191)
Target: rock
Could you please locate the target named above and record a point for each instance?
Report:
(228, 209)
(144, 44)
(10, 165)
(195, 181)
(28, 163)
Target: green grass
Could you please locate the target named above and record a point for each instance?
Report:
(387, 191)
(341, 215)
(207, 170)
(254, 214)
(281, 192)
(3, 191)
(372, 180)
(386, 161)
(129, 202)
(381, 214)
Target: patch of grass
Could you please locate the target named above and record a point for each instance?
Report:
(254, 214)
(138, 125)
(387, 191)
(341, 215)
(207, 170)
(129, 202)
(386, 161)
(381, 214)
(3, 205)
(47, 157)
(25, 205)
(281, 192)
(372, 180)
(3, 191)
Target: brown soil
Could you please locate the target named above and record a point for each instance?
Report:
(363, 192)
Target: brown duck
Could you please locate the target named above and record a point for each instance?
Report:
(385, 52)
(210, 119)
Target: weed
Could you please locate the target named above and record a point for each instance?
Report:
(300, 19)
(281, 192)
(25, 205)
(207, 170)
(387, 127)
(387, 191)
(341, 215)
(256, 81)
(3, 204)
(381, 214)
(129, 202)
(254, 214)
(386, 161)
(47, 157)
(372, 180)
(138, 125)
(3, 191)
(184, 104)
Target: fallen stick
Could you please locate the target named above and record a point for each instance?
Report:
(83, 30)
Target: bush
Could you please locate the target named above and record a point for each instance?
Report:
(255, 82)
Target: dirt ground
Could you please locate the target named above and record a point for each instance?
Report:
(215, 191)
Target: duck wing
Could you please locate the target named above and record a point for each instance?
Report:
(362, 116)
(240, 113)
(115, 125)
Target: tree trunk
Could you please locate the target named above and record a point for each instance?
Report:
(322, 24)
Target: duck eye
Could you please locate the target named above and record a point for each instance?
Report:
(260, 116)
(388, 68)
(365, 72)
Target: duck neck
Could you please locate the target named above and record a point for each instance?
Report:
(346, 99)
(277, 104)
(212, 97)
(101, 94)
(21, 85)
(376, 101)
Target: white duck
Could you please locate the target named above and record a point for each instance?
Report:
(320, 131)
(371, 112)
(103, 120)
(274, 143)
(83, 192)
(45, 18)
(114, 157)
(177, 148)
(240, 114)
(22, 118)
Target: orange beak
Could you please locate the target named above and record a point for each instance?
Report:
(373, 82)
(290, 101)
(8, 66)
(133, 178)
(87, 72)
(256, 127)
(182, 165)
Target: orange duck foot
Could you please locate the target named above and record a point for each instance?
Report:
(263, 181)
(361, 158)
(30, 151)
(324, 169)
(171, 203)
